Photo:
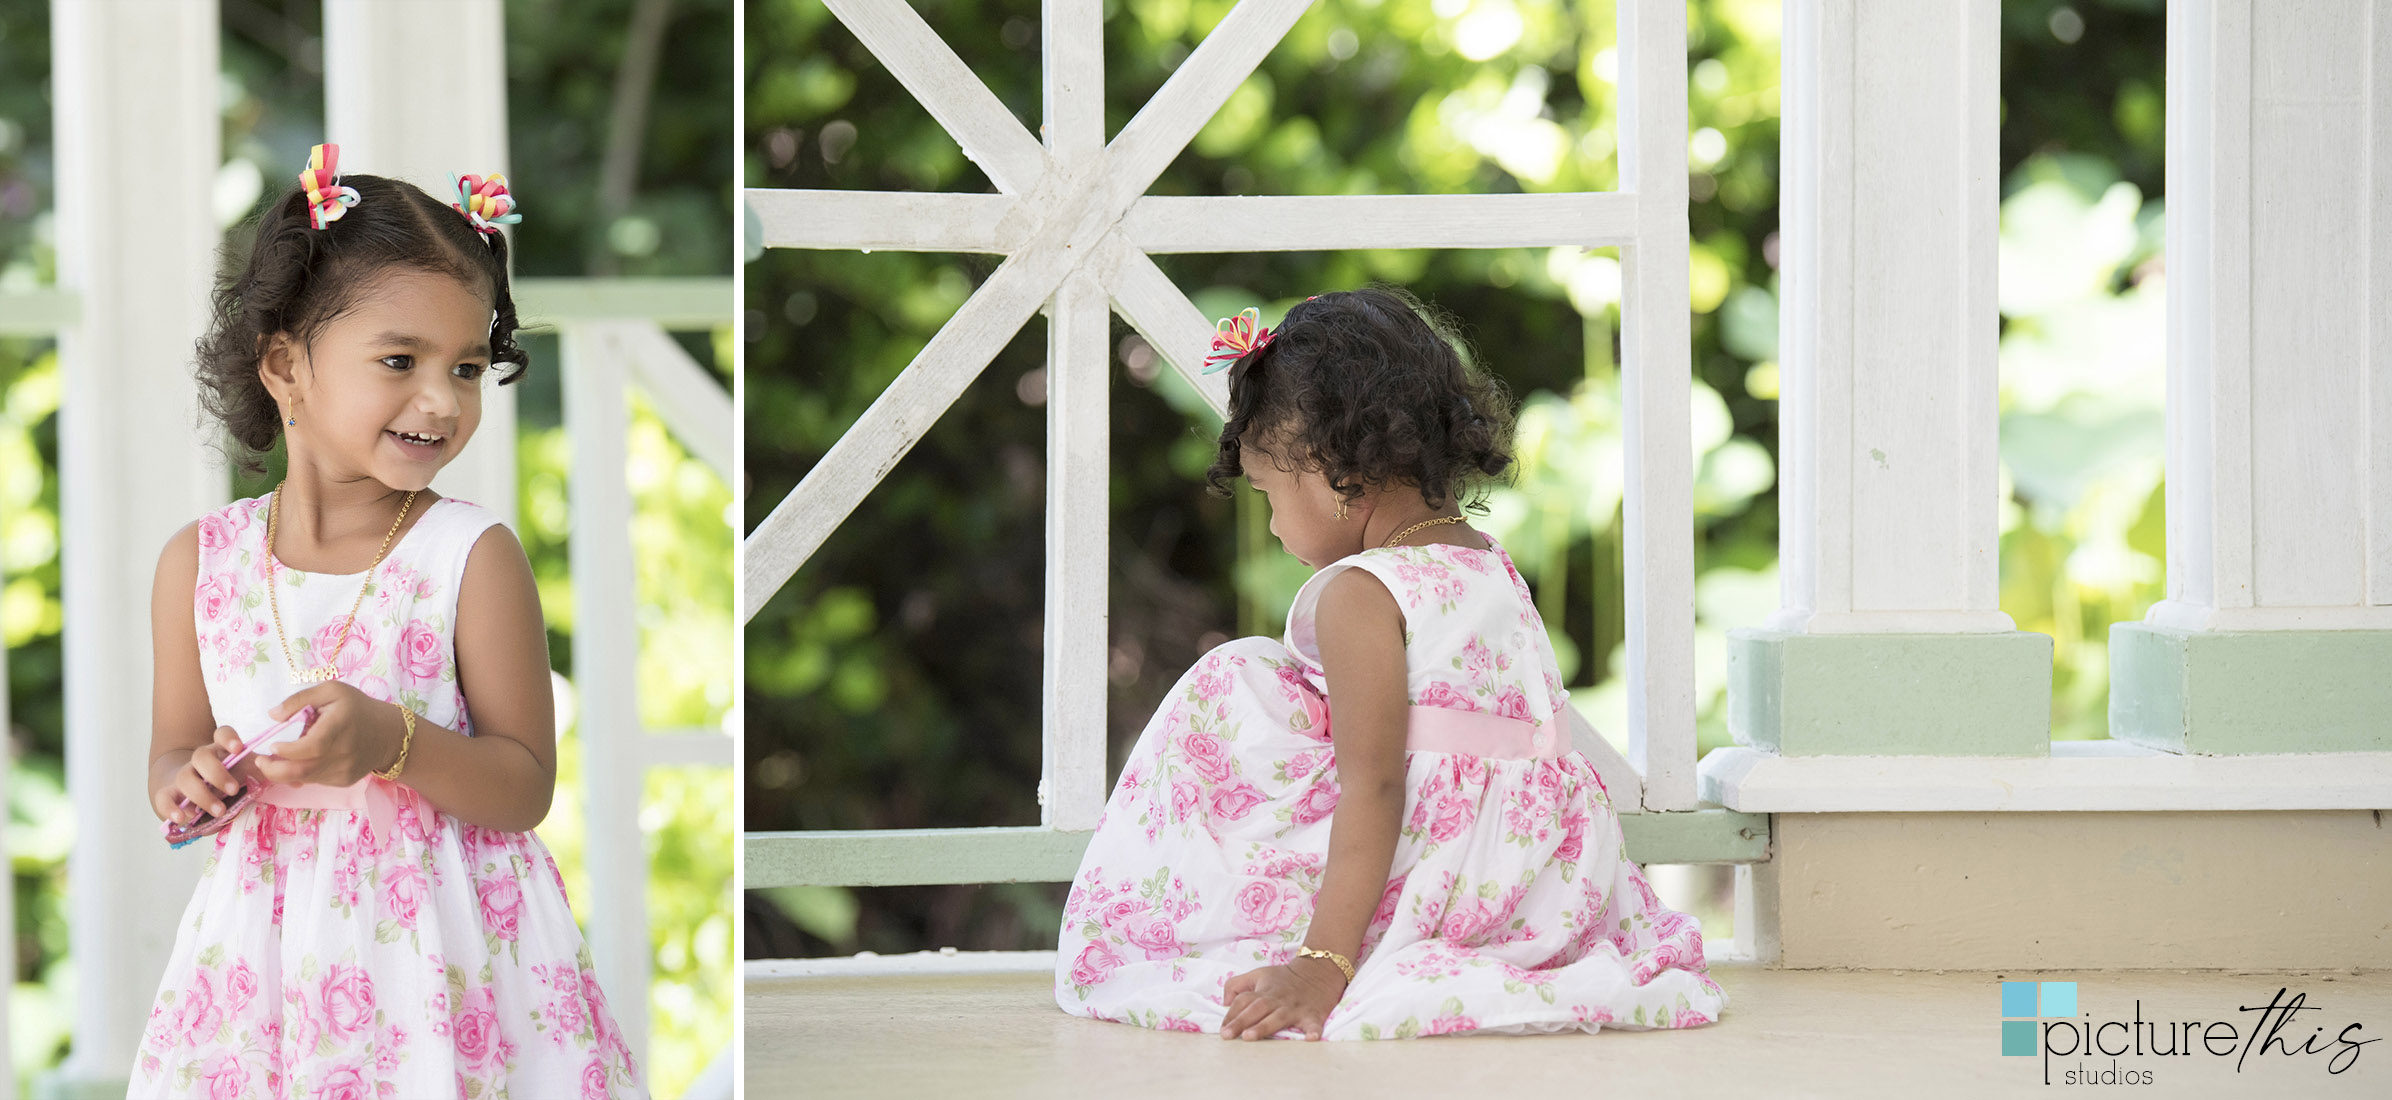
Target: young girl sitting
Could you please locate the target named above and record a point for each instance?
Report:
(376, 919)
(1377, 829)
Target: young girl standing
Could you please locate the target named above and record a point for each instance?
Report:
(1376, 828)
(377, 920)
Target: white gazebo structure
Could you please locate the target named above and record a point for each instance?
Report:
(137, 137)
(1895, 801)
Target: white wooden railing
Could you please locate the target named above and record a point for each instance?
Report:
(1076, 230)
(613, 337)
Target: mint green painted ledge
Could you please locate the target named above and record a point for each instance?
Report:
(58, 1086)
(1890, 694)
(682, 302)
(2260, 691)
(917, 857)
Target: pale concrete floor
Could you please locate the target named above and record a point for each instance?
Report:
(1786, 1033)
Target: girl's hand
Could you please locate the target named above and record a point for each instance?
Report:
(353, 734)
(1264, 1002)
(204, 781)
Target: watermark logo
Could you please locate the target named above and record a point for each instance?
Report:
(2042, 1018)
(2032, 1000)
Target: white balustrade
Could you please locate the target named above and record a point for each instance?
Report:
(1076, 228)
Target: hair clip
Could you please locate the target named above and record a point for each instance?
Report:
(326, 199)
(1234, 338)
(485, 202)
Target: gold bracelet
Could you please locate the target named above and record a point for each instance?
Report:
(1333, 957)
(408, 717)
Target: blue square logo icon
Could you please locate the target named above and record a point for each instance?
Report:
(2059, 999)
(2018, 999)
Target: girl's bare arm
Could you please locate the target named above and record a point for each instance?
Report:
(181, 721)
(504, 776)
(1361, 633)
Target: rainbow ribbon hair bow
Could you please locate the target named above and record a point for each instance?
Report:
(485, 202)
(1236, 337)
(326, 199)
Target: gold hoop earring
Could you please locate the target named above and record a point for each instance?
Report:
(1341, 508)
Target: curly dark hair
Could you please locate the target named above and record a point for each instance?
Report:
(1367, 387)
(285, 276)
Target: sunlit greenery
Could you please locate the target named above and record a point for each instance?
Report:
(894, 682)
(674, 220)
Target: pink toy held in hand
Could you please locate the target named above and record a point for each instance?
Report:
(283, 732)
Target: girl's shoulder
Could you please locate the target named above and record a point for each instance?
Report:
(1428, 580)
(457, 526)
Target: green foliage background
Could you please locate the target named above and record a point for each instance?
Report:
(562, 70)
(894, 683)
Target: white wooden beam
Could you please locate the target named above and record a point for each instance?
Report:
(685, 395)
(673, 302)
(991, 137)
(1655, 380)
(606, 672)
(135, 96)
(2075, 776)
(1196, 90)
(1072, 49)
(1169, 322)
(1071, 784)
(1888, 477)
(894, 422)
(892, 221)
(708, 747)
(419, 91)
(39, 312)
(1313, 223)
(1620, 777)
(2279, 415)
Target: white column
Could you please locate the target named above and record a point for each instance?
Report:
(418, 90)
(136, 118)
(1071, 783)
(606, 670)
(1887, 479)
(2279, 316)
(1656, 361)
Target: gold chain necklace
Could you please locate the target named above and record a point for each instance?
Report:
(1399, 536)
(329, 668)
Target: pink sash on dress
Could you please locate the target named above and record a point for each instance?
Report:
(374, 796)
(1477, 733)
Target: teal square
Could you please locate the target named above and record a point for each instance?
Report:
(2018, 1038)
(2018, 999)
(2059, 998)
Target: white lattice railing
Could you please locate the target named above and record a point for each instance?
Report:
(612, 337)
(1076, 230)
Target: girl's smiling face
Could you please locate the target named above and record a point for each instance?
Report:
(1303, 507)
(392, 388)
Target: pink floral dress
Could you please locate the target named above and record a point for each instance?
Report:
(1510, 906)
(353, 943)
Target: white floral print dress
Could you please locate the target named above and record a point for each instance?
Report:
(1510, 906)
(354, 943)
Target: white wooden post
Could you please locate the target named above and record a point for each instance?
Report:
(418, 90)
(1657, 363)
(1071, 784)
(1888, 477)
(606, 671)
(137, 131)
(2278, 621)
